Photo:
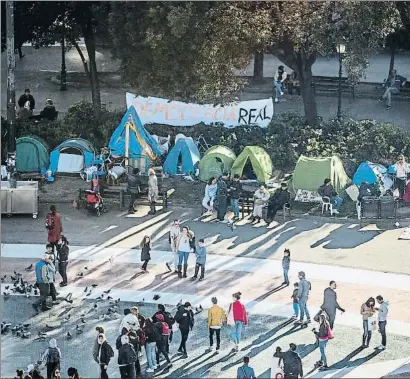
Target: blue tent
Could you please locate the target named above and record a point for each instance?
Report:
(392, 169)
(72, 156)
(140, 141)
(369, 172)
(188, 151)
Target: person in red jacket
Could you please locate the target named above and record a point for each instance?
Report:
(54, 226)
(240, 317)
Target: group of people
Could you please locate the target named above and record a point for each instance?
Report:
(26, 105)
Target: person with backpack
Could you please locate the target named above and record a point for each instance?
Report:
(145, 247)
(126, 359)
(162, 332)
(200, 260)
(173, 238)
(185, 318)
(53, 226)
(43, 280)
(245, 371)
(292, 363)
(52, 357)
(62, 256)
(150, 344)
(216, 318)
(105, 353)
(168, 319)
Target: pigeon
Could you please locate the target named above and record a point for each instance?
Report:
(26, 335)
(50, 327)
(85, 289)
(85, 268)
(26, 325)
(99, 298)
(29, 267)
(68, 298)
(6, 295)
(156, 297)
(95, 305)
(13, 278)
(88, 294)
(82, 315)
(200, 308)
(42, 334)
(80, 274)
(40, 339)
(109, 298)
(94, 285)
(69, 335)
(108, 291)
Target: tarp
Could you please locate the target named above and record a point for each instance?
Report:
(373, 173)
(392, 169)
(216, 160)
(140, 141)
(72, 156)
(259, 159)
(31, 154)
(310, 173)
(184, 151)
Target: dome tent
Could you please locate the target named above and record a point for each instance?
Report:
(184, 151)
(31, 154)
(216, 160)
(72, 156)
(259, 161)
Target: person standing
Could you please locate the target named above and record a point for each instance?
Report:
(209, 196)
(137, 340)
(145, 247)
(42, 282)
(52, 274)
(162, 334)
(222, 196)
(216, 318)
(402, 170)
(173, 238)
(152, 190)
(52, 357)
(323, 335)
(133, 188)
(150, 344)
(126, 359)
(185, 318)
(235, 191)
(260, 198)
(292, 363)
(200, 253)
(304, 288)
(185, 245)
(130, 321)
(245, 371)
(53, 226)
(278, 82)
(240, 319)
(99, 330)
(367, 311)
(383, 310)
(62, 256)
(295, 301)
(105, 353)
(286, 266)
(330, 304)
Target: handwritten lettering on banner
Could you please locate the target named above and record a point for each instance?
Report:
(162, 111)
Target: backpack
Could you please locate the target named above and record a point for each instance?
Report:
(52, 356)
(165, 329)
(50, 221)
(291, 362)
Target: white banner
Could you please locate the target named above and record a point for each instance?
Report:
(162, 111)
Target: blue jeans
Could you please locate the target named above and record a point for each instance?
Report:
(237, 331)
(296, 308)
(235, 207)
(150, 351)
(183, 256)
(337, 202)
(285, 275)
(322, 348)
(303, 308)
(278, 89)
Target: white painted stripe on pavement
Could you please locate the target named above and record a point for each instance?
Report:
(270, 267)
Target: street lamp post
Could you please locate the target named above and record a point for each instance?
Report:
(341, 48)
(63, 75)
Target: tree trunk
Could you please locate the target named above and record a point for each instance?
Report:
(89, 40)
(258, 67)
(80, 53)
(308, 95)
(392, 56)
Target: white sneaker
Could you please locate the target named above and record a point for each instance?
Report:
(335, 211)
(276, 100)
(150, 370)
(381, 347)
(281, 93)
(156, 367)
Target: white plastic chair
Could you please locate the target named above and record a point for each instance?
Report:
(327, 205)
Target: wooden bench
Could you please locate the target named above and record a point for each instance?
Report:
(331, 84)
(246, 205)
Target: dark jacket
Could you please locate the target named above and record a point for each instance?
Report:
(323, 331)
(62, 253)
(167, 318)
(236, 189)
(145, 255)
(327, 190)
(280, 197)
(150, 335)
(133, 182)
(24, 98)
(292, 364)
(184, 318)
(221, 188)
(126, 355)
(330, 303)
(105, 353)
(49, 113)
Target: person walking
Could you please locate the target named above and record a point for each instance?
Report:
(245, 371)
(237, 313)
(43, 278)
(185, 245)
(286, 266)
(235, 192)
(292, 363)
(130, 321)
(323, 335)
(330, 304)
(152, 190)
(295, 301)
(209, 196)
(145, 247)
(150, 344)
(402, 170)
(99, 330)
(216, 318)
(168, 319)
(126, 359)
(222, 196)
(162, 335)
(200, 253)
(367, 311)
(173, 238)
(52, 357)
(133, 188)
(304, 288)
(62, 256)
(383, 310)
(105, 353)
(53, 226)
(185, 318)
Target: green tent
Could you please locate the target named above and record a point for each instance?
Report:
(31, 154)
(310, 173)
(216, 160)
(259, 160)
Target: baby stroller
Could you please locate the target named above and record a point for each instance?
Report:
(95, 202)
